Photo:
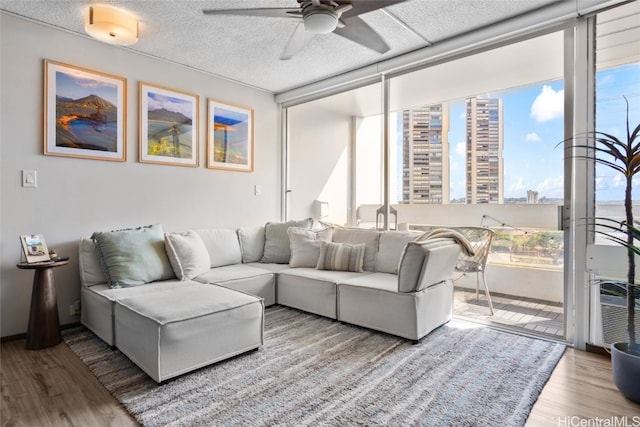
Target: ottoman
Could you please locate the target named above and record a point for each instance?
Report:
(175, 331)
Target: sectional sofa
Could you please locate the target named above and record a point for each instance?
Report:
(174, 302)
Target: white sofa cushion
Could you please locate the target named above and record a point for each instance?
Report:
(133, 257)
(223, 246)
(276, 240)
(251, 243)
(305, 245)
(341, 257)
(355, 236)
(426, 263)
(170, 333)
(91, 271)
(232, 272)
(187, 253)
(390, 250)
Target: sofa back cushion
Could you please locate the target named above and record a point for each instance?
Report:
(355, 236)
(251, 243)
(91, 271)
(390, 249)
(133, 257)
(187, 253)
(305, 245)
(276, 240)
(223, 246)
(426, 263)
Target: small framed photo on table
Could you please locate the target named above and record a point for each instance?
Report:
(34, 248)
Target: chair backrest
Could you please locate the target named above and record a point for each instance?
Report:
(480, 239)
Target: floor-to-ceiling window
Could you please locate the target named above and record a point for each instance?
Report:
(617, 89)
(472, 141)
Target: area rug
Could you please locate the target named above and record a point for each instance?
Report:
(315, 371)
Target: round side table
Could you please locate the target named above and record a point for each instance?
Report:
(44, 323)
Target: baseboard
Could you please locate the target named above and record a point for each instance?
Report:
(24, 334)
(597, 349)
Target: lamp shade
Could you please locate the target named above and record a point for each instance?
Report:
(111, 25)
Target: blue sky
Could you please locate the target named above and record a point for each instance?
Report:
(533, 126)
(76, 84)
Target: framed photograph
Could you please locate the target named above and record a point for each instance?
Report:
(168, 126)
(84, 113)
(230, 137)
(34, 248)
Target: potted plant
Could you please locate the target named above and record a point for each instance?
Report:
(623, 156)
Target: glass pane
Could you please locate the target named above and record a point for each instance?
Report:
(617, 78)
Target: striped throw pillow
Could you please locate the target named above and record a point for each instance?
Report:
(341, 257)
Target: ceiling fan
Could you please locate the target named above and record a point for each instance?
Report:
(322, 17)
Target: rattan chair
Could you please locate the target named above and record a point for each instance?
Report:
(480, 239)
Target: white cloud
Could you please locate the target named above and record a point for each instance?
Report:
(453, 165)
(461, 148)
(533, 137)
(618, 181)
(548, 105)
(518, 188)
(551, 187)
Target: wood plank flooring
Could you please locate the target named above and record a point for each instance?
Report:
(52, 387)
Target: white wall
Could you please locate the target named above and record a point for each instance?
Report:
(75, 197)
(318, 161)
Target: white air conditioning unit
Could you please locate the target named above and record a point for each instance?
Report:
(613, 307)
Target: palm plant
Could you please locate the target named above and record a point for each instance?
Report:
(623, 156)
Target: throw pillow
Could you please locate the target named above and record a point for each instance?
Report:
(133, 257)
(276, 240)
(341, 257)
(187, 253)
(305, 245)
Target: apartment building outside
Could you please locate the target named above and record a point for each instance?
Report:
(484, 162)
(425, 163)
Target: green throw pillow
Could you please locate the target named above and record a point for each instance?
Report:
(133, 257)
(276, 240)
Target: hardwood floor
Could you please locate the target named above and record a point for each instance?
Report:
(581, 386)
(52, 387)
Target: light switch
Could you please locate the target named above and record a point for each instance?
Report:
(29, 178)
(257, 190)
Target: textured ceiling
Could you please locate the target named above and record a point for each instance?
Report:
(247, 49)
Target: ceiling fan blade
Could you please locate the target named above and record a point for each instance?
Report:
(299, 39)
(276, 12)
(357, 30)
(364, 6)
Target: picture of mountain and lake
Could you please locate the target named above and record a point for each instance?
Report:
(86, 110)
(88, 123)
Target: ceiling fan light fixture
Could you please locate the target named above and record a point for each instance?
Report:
(320, 21)
(111, 25)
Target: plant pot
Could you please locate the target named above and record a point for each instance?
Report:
(626, 371)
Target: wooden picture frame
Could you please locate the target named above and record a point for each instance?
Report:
(168, 126)
(229, 137)
(84, 113)
(34, 248)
